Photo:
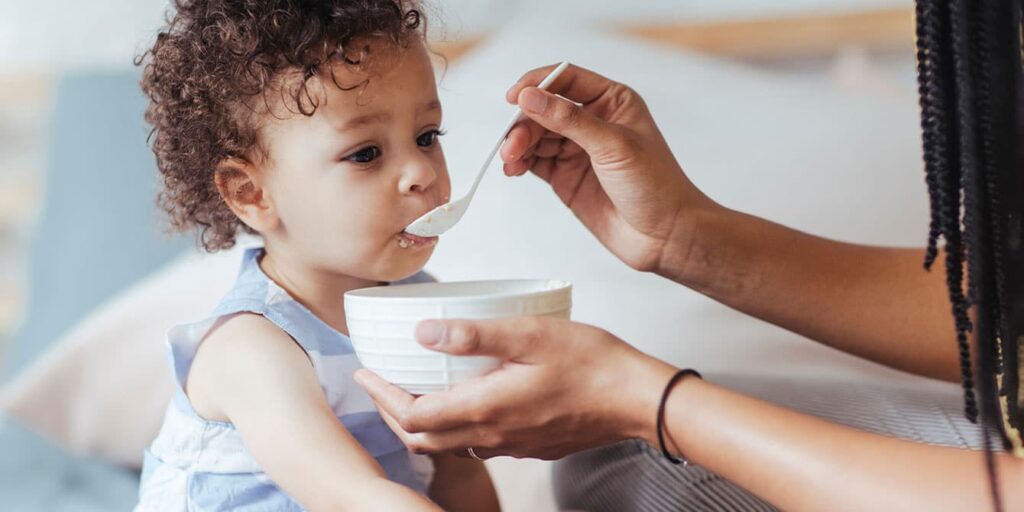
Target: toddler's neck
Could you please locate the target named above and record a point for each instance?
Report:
(319, 291)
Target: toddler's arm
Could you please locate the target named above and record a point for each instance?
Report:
(249, 372)
(462, 484)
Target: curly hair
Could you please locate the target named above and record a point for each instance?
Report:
(215, 56)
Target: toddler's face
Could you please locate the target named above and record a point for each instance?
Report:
(346, 181)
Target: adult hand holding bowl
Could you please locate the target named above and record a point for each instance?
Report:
(382, 322)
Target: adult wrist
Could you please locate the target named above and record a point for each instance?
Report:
(660, 427)
(647, 376)
(699, 247)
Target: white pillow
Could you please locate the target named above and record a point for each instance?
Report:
(102, 389)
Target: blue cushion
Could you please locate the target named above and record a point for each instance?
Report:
(100, 228)
(36, 476)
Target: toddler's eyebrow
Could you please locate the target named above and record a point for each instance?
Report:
(430, 106)
(380, 117)
(377, 117)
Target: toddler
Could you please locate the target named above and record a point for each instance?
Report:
(315, 125)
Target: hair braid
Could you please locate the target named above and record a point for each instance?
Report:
(935, 68)
(971, 81)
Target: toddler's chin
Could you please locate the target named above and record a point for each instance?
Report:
(406, 265)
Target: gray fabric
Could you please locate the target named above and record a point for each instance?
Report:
(99, 228)
(631, 476)
(634, 477)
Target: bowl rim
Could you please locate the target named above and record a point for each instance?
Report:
(364, 294)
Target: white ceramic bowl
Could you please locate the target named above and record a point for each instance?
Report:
(382, 320)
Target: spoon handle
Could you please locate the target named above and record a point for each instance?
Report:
(518, 116)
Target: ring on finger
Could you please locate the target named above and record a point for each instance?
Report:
(473, 454)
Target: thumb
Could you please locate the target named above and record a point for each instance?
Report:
(519, 339)
(570, 120)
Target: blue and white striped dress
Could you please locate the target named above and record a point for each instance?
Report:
(200, 465)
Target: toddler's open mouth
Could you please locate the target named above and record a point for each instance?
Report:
(409, 240)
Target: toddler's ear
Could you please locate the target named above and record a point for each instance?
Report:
(239, 184)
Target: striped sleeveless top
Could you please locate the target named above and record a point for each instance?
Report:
(195, 464)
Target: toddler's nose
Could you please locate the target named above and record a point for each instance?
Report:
(418, 176)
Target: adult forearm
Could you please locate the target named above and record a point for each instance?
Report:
(799, 462)
(874, 302)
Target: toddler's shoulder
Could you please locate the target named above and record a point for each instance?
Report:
(246, 333)
(239, 351)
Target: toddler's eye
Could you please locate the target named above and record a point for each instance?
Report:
(364, 156)
(429, 139)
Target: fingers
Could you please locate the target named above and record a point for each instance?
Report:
(420, 443)
(578, 84)
(389, 398)
(521, 339)
(428, 413)
(482, 453)
(543, 144)
(561, 158)
(567, 108)
(485, 441)
(521, 138)
(596, 136)
(435, 423)
(549, 148)
(432, 412)
(520, 167)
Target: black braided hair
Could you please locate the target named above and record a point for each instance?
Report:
(972, 117)
(941, 156)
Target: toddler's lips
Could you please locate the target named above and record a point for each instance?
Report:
(411, 240)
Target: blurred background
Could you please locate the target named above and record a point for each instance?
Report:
(852, 43)
(802, 111)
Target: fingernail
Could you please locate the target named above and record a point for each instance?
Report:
(533, 100)
(511, 157)
(430, 333)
